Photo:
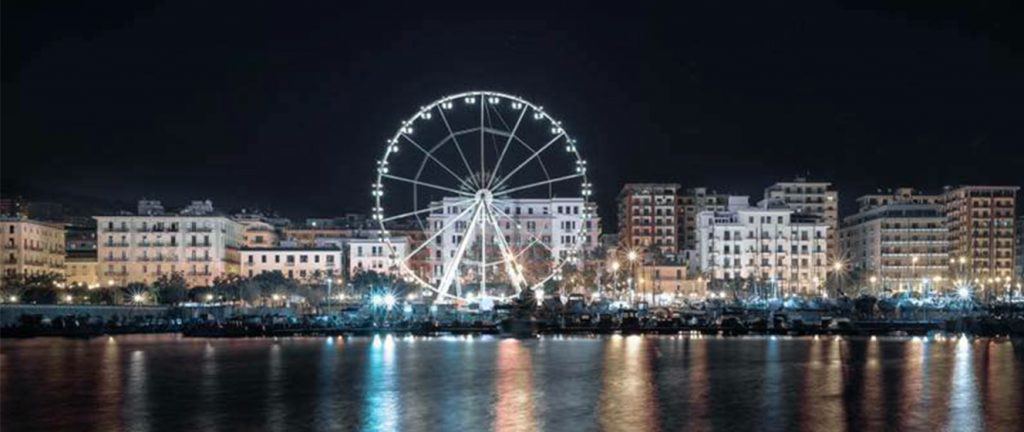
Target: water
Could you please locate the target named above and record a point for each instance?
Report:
(166, 382)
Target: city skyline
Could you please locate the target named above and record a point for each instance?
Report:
(247, 141)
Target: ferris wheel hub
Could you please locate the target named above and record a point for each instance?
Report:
(484, 196)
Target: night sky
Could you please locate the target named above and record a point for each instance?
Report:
(286, 106)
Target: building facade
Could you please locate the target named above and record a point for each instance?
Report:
(659, 283)
(648, 217)
(141, 249)
(31, 247)
(980, 222)
(366, 254)
(307, 265)
(897, 240)
(82, 269)
(691, 203)
(1020, 249)
(812, 198)
(554, 227)
(770, 243)
(257, 233)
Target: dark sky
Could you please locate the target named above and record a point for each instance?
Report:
(286, 105)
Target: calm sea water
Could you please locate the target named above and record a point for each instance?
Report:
(166, 382)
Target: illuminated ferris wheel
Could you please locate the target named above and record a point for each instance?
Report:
(496, 186)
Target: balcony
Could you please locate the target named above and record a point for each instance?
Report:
(199, 259)
(115, 244)
(198, 229)
(158, 245)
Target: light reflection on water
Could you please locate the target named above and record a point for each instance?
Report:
(482, 383)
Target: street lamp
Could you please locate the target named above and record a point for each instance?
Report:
(837, 268)
(329, 281)
(632, 256)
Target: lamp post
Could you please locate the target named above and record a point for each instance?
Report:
(632, 256)
(836, 268)
(329, 281)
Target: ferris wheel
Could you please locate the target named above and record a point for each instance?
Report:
(496, 190)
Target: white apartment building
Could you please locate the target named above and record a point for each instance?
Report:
(897, 239)
(557, 225)
(376, 255)
(307, 265)
(31, 247)
(133, 248)
(770, 243)
(811, 198)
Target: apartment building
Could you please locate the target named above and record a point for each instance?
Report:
(374, 254)
(306, 265)
(897, 239)
(198, 243)
(691, 202)
(257, 233)
(648, 216)
(769, 243)
(82, 269)
(555, 227)
(980, 224)
(31, 247)
(814, 198)
(657, 283)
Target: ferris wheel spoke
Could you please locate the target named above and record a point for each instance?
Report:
(452, 266)
(425, 184)
(483, 154)
(532, 157)
(542, 183)
(443, 229)
(458, 147)
(508, 142)
(509, 260)
(430, 156)
(483, 247)
(426, 210)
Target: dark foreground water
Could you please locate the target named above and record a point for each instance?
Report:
(453, 384)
